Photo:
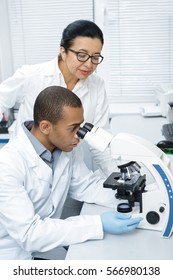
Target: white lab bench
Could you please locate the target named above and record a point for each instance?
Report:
(149, 128)
(141, 243)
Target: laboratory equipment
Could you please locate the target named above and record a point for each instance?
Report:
(153, 200)
(167, 129)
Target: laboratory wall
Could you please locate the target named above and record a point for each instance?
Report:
(138, 47)
(6, 60)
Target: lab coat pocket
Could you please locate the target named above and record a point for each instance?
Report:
(41, 196)
(39, 182)
(41, 189)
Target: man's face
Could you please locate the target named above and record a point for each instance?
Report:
(63, 134)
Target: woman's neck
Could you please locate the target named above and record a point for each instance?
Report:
(69, 79)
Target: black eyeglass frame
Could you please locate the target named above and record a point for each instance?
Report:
(88, 56)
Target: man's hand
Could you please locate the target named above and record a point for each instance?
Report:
(116, 223)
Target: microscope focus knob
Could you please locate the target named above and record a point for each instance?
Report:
(152, 217)
(161, 209)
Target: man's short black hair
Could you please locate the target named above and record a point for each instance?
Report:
(50, 102)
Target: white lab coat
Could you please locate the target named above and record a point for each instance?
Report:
(30, 194)
(24, 86)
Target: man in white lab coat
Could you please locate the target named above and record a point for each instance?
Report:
(38, 168)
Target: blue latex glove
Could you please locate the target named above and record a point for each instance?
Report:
(116, 223)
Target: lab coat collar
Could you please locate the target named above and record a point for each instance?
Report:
(52, 70)
(42, 170)
(29, 154)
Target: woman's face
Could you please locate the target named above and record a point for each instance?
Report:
(86, 45)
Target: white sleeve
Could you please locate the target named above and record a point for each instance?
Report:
(87, 186)
(12, 89)
(31, 230)
(103, 161)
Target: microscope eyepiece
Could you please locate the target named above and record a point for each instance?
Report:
(88, 126)
(81, 132)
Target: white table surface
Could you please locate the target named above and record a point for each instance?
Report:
(140, 244)
(149, 128)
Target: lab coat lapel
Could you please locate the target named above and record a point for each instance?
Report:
(52, 72)
(81, 88)
(49, 70)
(40, 168)
(42, 171)
(62, 169)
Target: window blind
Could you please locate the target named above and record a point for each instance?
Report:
(36, 27)
(139, 47)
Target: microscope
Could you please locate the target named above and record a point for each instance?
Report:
(154, 200)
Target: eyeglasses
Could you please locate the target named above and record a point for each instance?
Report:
(83, 57)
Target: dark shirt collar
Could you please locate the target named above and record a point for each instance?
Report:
(40, 149)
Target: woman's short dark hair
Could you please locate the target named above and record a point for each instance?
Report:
(84, 28)
(50, 103)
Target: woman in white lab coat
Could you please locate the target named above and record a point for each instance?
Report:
(80, 54)
(33, 185)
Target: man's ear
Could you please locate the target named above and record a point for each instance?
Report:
(45, 127)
